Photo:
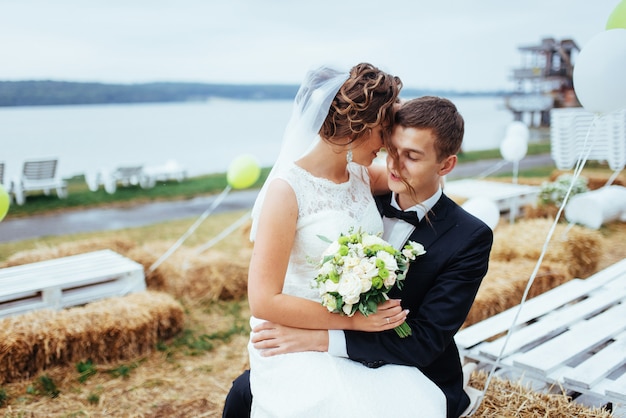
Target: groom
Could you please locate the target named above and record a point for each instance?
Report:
(440, 286)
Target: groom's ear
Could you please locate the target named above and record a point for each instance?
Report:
(447, 165)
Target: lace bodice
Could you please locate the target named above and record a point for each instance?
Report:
(327, 209)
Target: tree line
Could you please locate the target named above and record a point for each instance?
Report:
(39, 93)
(47, 92)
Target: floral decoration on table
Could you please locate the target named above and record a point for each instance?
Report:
(553, 193)
(357, 271)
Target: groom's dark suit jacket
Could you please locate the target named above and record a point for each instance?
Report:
(439, 290)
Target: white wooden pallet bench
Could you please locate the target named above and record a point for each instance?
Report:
(504, 195)
(570, 338)
(68, 281)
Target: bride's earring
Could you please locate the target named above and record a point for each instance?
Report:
(349, 156)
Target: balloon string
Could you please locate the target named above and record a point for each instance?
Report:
(584, 155)
(613, 177)
(493, 169)
(513, 208)
(224, 233)
(191, 229)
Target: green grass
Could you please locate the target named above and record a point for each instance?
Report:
(528, 173)
(494, 154)
(80, 197)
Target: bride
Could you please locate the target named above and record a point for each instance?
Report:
(322, 184)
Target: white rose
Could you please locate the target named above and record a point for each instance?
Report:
(350, 261)
(350, 288)
(367, 268)
(347, 309)
(331, 286)
(414, 250)
(408, 253)
(369, 240)
(388, 259)
(366, 284)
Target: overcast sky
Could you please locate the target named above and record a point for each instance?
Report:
(456, 44)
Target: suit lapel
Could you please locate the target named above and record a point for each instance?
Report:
(438, 223)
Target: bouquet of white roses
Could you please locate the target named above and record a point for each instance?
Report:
(358, 270)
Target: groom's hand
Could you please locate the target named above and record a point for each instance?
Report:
(272, 339)
(388, 315)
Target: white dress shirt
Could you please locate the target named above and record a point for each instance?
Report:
(396, 232)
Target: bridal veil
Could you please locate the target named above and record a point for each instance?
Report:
(310, 108)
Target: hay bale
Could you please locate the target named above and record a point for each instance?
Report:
(195, 277)
(146, 255)
(505, 283)
(580, 248)
(514, 399)
(539, 210)
(103, 331)
(206, 276)
(119, 245)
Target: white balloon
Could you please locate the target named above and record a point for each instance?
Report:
(518, 129)
(600, 72)
(513, 148)
(484, 209)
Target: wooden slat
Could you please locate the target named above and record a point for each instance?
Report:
(39, 169)
(554, 323)
(75, 297)
(580, 338)
(533, 308)
(600, 365)
(617, 389)
(21, 307)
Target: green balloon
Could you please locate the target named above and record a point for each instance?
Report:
(243, 172)
(4, 202)
(617, 18)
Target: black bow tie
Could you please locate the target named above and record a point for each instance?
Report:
(391, 212)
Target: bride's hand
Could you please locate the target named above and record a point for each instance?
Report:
(388, 316)
(272, 339)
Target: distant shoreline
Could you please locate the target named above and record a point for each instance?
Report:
(58, 93)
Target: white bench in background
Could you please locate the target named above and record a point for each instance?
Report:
(38, 175)
(135, 174)
(571, 337)
(506, 196)
(124, 175)
(68, 281)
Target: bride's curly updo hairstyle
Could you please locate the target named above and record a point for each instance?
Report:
(364, 101)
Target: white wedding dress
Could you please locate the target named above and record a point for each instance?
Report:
(315, 384)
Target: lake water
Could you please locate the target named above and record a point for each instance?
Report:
(203, 137)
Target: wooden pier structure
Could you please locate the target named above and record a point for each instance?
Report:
(544, 81)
